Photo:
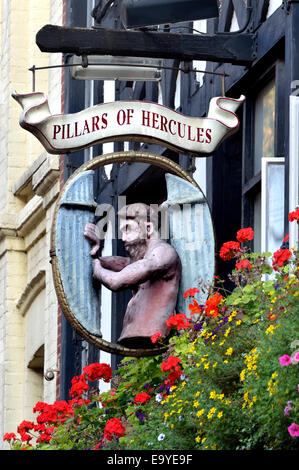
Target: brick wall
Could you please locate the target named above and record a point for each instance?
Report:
(29, 187)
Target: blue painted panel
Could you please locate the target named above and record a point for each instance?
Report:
(192, 235)
(77, 207)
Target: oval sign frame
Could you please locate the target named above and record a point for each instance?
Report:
(97, 162)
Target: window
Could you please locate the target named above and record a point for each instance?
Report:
(264, 125)
(263, 179)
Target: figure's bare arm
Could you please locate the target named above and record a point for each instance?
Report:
(160, 261)
(114, 263)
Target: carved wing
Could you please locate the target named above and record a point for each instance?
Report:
(191, 233)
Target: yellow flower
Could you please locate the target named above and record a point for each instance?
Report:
(220, 414)
(271, 329)
(227, 332)
(213, 394)
(211, 413)
(232, 315)
(206, 366)
(197, 393)
(200, 413)
(238, 322)
(195, 404)
(197, 438)
(229, 352)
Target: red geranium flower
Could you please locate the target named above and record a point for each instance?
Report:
(155, 337)
(178, 321)
(25, 426)
(25, 437)
(56, 413)
(211, 305)
(244, 264)
(142, 397)
(191, 292)
(280, 257)
(172, 376)
(79, 385)
(9, 436)
(98, 371)
(245, 234)
(229, 250)
(294, 215)
(113, 427)
(98, 445)
(171, 363)
(195, 308)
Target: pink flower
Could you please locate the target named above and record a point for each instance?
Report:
(296, 357)
(285, 360)
(294, 430)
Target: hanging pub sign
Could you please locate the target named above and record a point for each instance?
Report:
(129, 121)
(164, 255)
(169, 246)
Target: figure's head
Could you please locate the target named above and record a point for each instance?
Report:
(137, 223)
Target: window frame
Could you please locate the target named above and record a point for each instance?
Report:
(253, 184)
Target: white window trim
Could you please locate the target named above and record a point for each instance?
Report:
(264, 193)
(294, 167)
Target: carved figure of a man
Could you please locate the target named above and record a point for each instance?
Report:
(152, 271)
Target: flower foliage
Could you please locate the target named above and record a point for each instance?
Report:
(228, 381)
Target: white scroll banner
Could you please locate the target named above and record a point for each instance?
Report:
(128, 121)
